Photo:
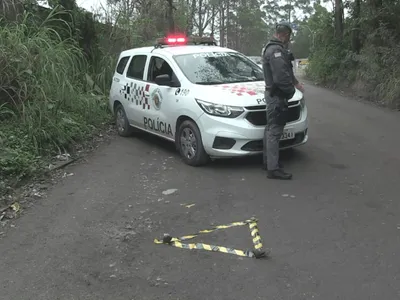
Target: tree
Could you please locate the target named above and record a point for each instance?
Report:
(289, 11)
(303, 41)
(339, 19)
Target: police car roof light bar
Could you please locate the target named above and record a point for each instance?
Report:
(181, 40)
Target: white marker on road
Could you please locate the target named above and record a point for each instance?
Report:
(169, 191)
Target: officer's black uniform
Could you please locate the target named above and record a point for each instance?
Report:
(291, 58)
(279, 88)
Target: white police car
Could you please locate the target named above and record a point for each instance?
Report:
(257, 60)
(206, 99)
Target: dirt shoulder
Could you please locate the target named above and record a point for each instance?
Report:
(15, 194)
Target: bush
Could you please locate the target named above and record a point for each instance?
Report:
(378, 67)
(45, 102)
(366, 58)
(324, 64)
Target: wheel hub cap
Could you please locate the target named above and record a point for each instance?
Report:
(188, 143)
(120, 121)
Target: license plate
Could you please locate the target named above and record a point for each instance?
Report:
(287, 135)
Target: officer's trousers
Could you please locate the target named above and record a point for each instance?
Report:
(272, 136)
(273, 132)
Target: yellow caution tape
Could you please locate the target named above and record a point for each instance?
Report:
(188, 205)
(257, 253)
(15, 207)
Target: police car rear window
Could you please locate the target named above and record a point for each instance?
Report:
(122, 64)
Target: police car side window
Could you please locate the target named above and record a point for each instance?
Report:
(136, 67)
(242, 66)
(122, 64)
(158, 66)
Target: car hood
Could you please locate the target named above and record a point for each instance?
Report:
(237, 94)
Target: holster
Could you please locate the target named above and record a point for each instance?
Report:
(278, 113)
(275, 91)
(283, 115)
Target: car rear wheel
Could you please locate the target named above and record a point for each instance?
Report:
(190, 144)
(122, 122)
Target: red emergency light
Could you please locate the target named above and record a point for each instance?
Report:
(176, 40)
(181, 40)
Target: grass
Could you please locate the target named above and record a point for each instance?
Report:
(46, 103)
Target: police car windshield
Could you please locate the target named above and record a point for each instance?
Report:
(218, 67)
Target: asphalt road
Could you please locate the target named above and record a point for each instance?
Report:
(333, 230)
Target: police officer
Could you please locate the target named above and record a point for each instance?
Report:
(291, 57)
(280, 84)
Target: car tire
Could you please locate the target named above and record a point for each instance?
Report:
(190, 144)
(121, 120)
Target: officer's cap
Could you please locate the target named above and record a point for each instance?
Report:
(283, 25)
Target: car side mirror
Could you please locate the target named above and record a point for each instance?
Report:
(166, 80)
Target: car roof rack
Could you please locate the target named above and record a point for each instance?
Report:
(171, 41)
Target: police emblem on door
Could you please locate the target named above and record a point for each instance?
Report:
(156, 98)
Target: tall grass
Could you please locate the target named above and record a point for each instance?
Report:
(104, 71)
(45, 102)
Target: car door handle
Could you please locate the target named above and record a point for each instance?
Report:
(116, 79)
(146, 94)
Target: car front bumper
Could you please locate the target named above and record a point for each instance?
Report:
(224, 137)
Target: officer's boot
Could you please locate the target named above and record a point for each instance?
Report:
(279, 174)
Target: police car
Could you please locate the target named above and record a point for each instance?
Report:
(206, 99)
(257, 60)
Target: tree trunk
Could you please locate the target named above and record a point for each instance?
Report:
(191, 18)
(339, 19)
(171, 24)
(237, 31)
(222, 27)
(213, 20)
(355, 36)
(375, 7)
(228, 25)
(200, 17)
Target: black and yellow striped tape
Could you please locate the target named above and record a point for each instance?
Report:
(258, 252)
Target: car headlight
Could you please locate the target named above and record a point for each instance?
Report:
(220, 110)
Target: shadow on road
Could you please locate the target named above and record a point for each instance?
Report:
(250, 162)
(287, 157)
(156, 142)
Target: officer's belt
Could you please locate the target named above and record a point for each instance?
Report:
(274, 91)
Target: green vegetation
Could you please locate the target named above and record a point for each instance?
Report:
(56, 64)
(356, 46)
(46, 103)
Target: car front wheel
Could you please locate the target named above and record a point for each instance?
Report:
(122, 122)
(190, 144)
